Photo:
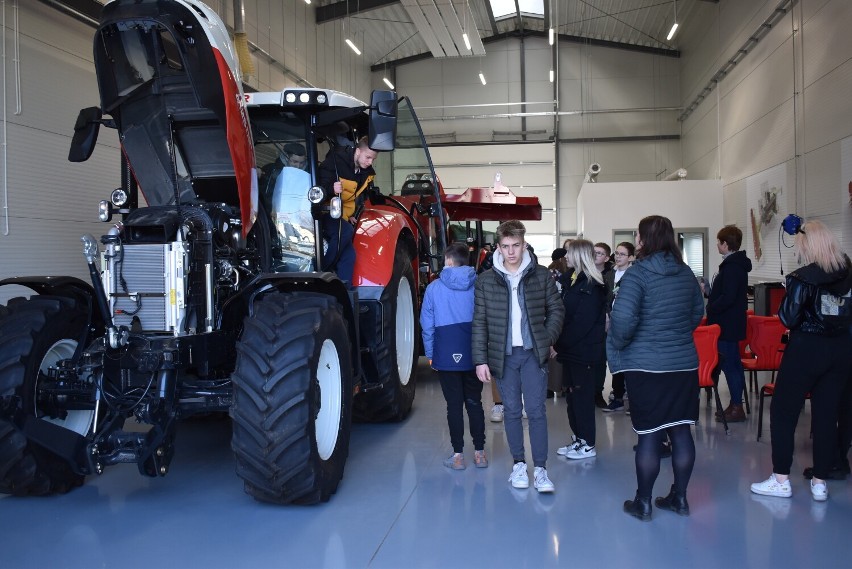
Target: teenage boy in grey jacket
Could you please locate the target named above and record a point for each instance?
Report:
(517, 317)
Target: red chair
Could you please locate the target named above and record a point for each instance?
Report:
(765, 333)
(745, 351)
(706, 339)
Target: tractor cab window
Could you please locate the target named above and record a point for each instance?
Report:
(284, 162)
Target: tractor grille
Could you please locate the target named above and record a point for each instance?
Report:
(144, 272)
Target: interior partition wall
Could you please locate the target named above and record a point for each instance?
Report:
(615, 107)
(777, 127)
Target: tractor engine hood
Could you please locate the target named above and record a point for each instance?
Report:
(168, 74)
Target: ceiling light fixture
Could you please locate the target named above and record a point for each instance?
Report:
(550, 35)
(307, 1)
(388, 83)
(482, 77)
(674, 25)
(551, 75)
(466, 41)
(353, 46)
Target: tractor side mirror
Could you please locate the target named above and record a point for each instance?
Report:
(383, 112)
(85, 134)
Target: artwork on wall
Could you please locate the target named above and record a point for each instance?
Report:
(763, 192)
(766, 206)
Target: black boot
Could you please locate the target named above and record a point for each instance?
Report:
(639, 508)
(675, 502)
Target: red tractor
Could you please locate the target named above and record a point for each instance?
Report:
(210, 296)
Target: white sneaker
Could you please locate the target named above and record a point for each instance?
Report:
(519, 478)
(542, 482)
(819, 491)
(581, 451)
(497, 413)
(575, 442)
(772, 487)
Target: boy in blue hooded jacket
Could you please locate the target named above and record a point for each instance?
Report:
(445, 319)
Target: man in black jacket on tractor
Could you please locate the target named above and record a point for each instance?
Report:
(346, 172)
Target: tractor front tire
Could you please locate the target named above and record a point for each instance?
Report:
(35, 333)
(292, 410)
(396, 354)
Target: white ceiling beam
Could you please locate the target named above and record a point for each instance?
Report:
(439, 26)
(423, 27)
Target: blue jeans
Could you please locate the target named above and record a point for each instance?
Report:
(732, 367)
(523, 375)
(339, 233)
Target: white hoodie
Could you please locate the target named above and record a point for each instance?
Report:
(514, 282)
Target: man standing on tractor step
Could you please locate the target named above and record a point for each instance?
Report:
(517, 317)
(347, 172)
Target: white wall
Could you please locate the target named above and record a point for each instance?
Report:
(593, 82)
(785, 104)
(605, 207)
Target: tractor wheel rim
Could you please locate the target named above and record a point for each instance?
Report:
(404, 331)
(79, 421)
(329, 380)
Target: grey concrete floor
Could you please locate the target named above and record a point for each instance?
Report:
(398, 507)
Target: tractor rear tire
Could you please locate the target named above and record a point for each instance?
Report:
(292, 410)
(396, 355)
(35, 334)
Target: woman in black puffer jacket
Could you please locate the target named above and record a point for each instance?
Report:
(817, 308)
(581, 346)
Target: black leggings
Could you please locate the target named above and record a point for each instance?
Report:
(648, 458)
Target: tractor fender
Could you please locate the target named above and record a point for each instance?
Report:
(242, 304)
(68, 287)
(376, 236)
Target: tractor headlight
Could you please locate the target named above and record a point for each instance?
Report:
(104, 210)
(118, 197)
(315, 195)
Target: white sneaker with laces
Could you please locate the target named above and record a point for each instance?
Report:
(819, 491)
(542, 482)
(519, 478)
(581, 451)
(575, 442)
(497, 413)
(772, 487)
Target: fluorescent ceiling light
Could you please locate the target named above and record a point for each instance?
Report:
(352, 45)
(672, 31)
(551, 75)
(387, 82)
(550, 35)
(482, 78)
(466, 41)
(307, 1)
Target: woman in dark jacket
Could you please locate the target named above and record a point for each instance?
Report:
(659, 304)
(580, 347)
(817, 308)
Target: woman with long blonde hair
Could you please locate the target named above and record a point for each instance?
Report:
(817, 308)
(581, 345)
